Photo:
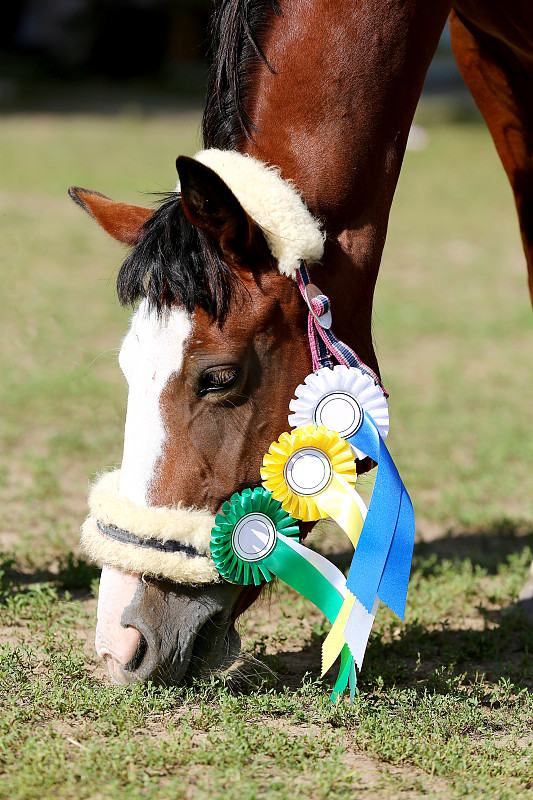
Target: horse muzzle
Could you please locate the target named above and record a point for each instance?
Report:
(160, 631)
(164, 614)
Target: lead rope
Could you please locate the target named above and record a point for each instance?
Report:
(323, 343)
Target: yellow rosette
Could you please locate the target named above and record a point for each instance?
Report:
(311, 471)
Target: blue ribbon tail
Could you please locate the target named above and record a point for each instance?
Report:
(394, 581)
(382, 561)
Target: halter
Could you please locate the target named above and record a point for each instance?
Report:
(157, 541)
(174, 543)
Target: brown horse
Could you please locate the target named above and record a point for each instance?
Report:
(326, 91)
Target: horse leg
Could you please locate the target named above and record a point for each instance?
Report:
(500, 81)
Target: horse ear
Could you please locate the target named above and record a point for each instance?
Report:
(210, 205)
(122, 221)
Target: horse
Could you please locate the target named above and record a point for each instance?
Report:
(322, 93)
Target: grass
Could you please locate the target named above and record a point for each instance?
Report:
(444, 706)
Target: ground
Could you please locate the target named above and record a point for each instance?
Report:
(444, 705)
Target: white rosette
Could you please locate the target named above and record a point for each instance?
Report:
(336, 398)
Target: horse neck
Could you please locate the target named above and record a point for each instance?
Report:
(333, 111)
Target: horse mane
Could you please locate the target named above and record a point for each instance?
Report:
(174, 259)
(236, 31)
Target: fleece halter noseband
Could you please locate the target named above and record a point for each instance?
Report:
(339, 414)
(161, 542)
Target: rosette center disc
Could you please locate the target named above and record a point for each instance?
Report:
(308, 471)
(339, 411)
(254, 537)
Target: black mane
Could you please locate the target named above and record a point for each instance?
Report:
(174, 259)
(236, 31)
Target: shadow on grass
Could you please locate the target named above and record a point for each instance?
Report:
(499, 644)
(503, 648)
(419, 659)
(487, 547)
(73, 574)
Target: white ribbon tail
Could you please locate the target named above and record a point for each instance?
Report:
(357, 629)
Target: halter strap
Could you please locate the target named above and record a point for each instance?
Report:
(325, 347)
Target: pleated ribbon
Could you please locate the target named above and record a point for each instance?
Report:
(311, 471)
(254, 539)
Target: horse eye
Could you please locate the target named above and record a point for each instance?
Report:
(217, 380)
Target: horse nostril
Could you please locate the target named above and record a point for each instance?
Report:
(135, 662)
(120, 644)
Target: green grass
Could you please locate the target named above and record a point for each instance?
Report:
(455, 332)
(444, 706)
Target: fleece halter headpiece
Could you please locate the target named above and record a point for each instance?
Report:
(292, 233)
(340, 413)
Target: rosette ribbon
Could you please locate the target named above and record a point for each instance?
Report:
(382, 560)
(254, 539)
(311, 471)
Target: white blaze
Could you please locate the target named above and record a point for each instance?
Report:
(151, 352)
(113, 642)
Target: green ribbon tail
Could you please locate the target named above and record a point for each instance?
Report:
(306, 579)
(353, 682)
(344, 674)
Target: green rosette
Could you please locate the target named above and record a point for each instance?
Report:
(245, 534)
(254, 539)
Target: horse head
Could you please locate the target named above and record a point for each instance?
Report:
(215, 349)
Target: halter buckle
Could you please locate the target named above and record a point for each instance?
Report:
(311, 292)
